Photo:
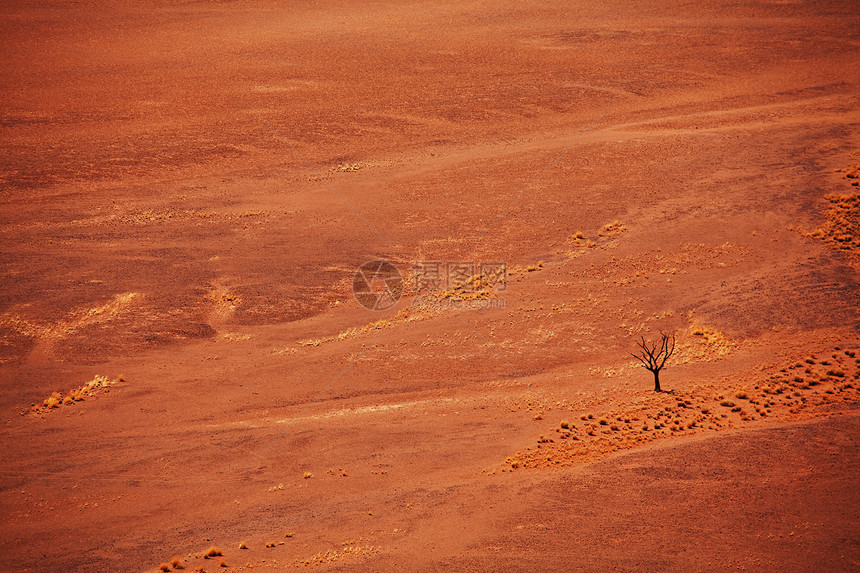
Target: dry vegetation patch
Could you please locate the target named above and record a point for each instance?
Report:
(350, 550)
(798, 391)
(841, 227)
(703, 344)
(99, 384)
(76, 320)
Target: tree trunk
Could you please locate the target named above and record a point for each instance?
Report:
(656, 380)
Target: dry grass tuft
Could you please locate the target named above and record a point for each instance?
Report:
(212, 552)
(176, 563)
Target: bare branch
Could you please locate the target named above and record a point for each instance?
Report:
(654, 355)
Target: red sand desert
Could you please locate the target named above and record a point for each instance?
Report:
(189, 382)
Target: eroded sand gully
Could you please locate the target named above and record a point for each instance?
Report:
(189, 383)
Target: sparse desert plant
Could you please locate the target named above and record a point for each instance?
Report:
(242, 545)
(741, 395)
(653, 356)
(727, 404)
(308, 475)
(837, 373)
(212, 552)
(223, 563)
(164, 567)
(565, 424)
(176, 563)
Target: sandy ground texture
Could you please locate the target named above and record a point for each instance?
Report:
(187, 190)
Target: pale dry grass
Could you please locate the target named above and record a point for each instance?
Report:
(89, 389)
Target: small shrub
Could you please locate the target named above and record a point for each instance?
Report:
(837, 373)
(727, 404)
(308, 475)
(164, 567)
(176, 563)
(565, 424)
(212, 552)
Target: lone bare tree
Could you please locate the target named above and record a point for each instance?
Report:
(653, 356)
